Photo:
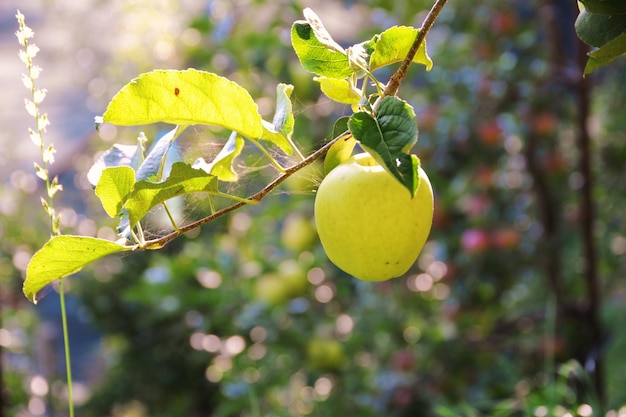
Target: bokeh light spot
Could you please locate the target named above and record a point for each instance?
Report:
(209, 278)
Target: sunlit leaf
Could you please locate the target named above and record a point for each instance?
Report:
(314, 56)
(113, 188)
(62, 256)
(341, 91)
(388, 137)
(183, 179)
(222, 164)
(393, 45)
(185, 98)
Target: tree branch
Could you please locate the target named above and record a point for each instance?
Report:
(394, 82)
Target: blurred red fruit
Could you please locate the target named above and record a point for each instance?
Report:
(474, 241)
(505, 238)
(490, 133)
(544, 123)
(503, 22)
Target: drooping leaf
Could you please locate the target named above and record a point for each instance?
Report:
(280, 130)
(316, 57)
(185, 97)
(606, 54)
(222, 164)
(388, 137)
(273, 135)
(152, 167)
(183, 179)
(393, 45)
(608, 7)
(598, 29)
(113, 188)
(283, 116)
(62, 256)
(320, 31)
(117, 155)
(341, 91)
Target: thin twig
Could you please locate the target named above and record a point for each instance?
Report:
(394, 82)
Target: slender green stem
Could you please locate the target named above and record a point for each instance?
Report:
(211, 204)
(138, 237)
(268, 156)
(169, 214)
(295, 148)
(235, 198)
(66, 344)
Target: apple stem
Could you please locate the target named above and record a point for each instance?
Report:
(394, 82)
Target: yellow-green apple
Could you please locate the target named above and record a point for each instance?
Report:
(369, 224)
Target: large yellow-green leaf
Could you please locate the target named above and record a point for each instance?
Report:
(62, 256)
(185, 97)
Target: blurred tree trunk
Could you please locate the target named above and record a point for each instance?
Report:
(568, 57)
(587, 220)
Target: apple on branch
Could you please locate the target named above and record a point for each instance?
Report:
(369, 224)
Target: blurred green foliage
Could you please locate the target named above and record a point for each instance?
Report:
(242, 319)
